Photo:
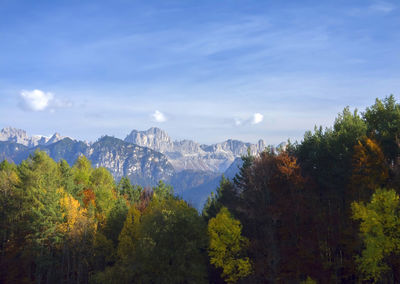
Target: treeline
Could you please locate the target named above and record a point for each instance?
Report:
(326, 210)
(62, 224)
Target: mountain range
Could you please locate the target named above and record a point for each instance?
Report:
(190, 155)
(145, 157)
(21, 137)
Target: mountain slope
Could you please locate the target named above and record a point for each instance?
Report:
(141, 165)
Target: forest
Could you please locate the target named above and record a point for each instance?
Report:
(323, 210)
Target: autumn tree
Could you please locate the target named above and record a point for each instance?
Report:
(369, 169)
(78, 229)
(227, 247)
(380, 232)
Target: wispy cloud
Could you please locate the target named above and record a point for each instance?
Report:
(382, 6)
(159, 116)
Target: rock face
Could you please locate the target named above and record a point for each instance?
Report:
(154, 138)
(190, 155)
(21, 137)
(141, 165)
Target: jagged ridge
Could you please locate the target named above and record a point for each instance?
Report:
(190, 155)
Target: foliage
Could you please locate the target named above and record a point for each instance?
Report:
(224, 194)
(164, 244)
(370, 169)
(130, 192)
(383, 120)
(380, 232)
(227, 246)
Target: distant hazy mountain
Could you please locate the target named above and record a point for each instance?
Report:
(190, 155)
(198, 195)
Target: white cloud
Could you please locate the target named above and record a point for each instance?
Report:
(35, 100)
(257, 118)
(159, 116)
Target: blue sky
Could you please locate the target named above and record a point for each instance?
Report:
(202, 70)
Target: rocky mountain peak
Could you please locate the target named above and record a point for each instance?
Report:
(190, 155)
(55, 138)
(14, 135)
(153, 138)
(21, 137)
(9, 133)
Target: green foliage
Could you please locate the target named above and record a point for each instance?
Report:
(115, 220)
(162, 190)
(223, 197)
(327, 154)
(67, 178)
(102, 184)
(380, 232)
(130, 192)
(227, 246)
(104, 251)
(383, 120)
(10, 199)
(128, 235)
(82, 171)
(241, 178)
(40, 178)
(41, 211)
(165, 245)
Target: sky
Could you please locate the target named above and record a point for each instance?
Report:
(202, 70)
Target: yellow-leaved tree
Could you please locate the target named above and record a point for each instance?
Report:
(369, 169)
(227, 246)
(78, 228)
(380, 233)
